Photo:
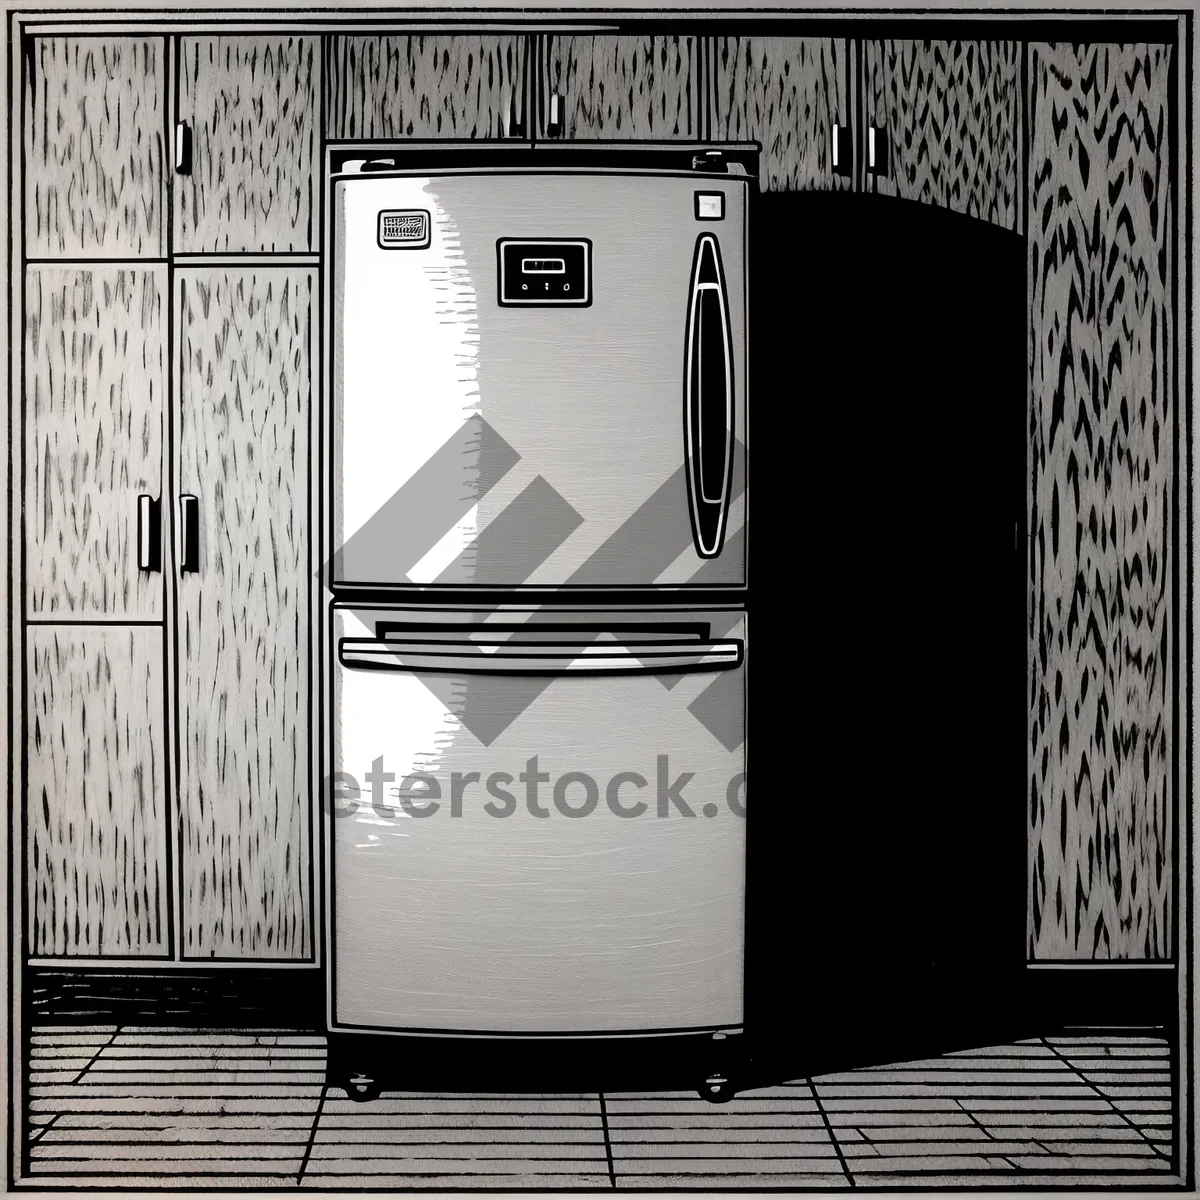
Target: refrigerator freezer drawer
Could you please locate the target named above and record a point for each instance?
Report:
(557, 852)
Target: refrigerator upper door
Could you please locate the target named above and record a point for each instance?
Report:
(593, 438)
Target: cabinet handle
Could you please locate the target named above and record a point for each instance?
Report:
(554, 120)
(843, 151)
(189, 533)
(183, 148)
(148, 528)
(515, 126)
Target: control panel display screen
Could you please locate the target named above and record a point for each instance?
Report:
(550, 273)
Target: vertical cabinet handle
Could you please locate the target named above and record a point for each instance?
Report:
(513, 125)
(708, 399)
(148, 529)
(183, 148)
(189, 533)
(554, 116)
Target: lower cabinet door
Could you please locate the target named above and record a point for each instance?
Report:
(97, 864)
(243, 361)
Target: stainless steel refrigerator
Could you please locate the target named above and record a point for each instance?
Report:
(538, 642)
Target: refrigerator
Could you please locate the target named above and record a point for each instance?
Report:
(538, 644)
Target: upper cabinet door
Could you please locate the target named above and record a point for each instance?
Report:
(94, 147)
(95, 377)
(426, 86)
(786, 93)
(952, 111)
(252, 105)
(622, 88)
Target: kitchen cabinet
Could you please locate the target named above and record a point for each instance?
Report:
(786, 93)
(952, 113)
(252, 105)
(619, 87)
(96, 816)
(1101, 453)
(95, 378)
(94, 136)
(95, 165)
(426, 86)
(245, 391)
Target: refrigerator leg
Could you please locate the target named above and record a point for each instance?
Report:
(717, 1088)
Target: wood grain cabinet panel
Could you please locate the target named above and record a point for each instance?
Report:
(1101, 452)
(94, 147)
(245, 339)
(786, 93)
(952, 112)
(95, 378)
(620, 87)
(252, 103)
(96, 798)
(426, 86)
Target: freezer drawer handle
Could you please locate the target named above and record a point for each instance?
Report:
(544, 658)
(708, 399)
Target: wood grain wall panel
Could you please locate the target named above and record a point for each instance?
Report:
(622, 87)
(1100, 424)
(95, 378)
(94, 154)
(424, 86)
(245, 341)
(953, 115)
(786, 93)
(96, 820)
(255, 181)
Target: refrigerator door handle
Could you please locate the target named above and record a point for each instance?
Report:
(708, 399)
(644, 657)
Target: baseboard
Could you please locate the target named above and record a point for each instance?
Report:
(1054, 999)
(1110, 996)
(206, 997)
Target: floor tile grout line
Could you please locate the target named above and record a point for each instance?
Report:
(312, 1135)
(812, 1087)
(37, 1137)
(608, 1154)
(982, 1128)
(92, 1061)
(1109, 1100)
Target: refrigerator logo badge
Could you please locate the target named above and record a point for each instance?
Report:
(404, 229)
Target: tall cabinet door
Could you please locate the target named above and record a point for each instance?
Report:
(244, 356)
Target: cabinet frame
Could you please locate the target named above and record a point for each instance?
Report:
(15, 705)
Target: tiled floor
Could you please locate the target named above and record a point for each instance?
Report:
(187, 1108)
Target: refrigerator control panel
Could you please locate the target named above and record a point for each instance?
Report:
(549, 273)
